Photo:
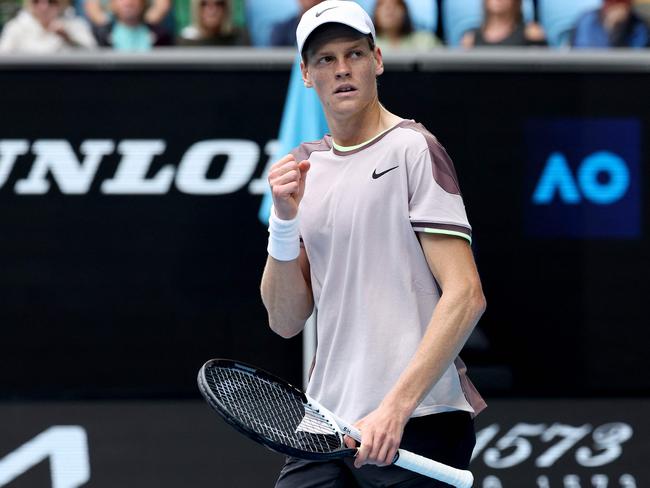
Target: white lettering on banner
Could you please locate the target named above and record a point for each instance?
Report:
(514, 438)
(571, 481)
(483, 438)
(492, 482)
(58, 158)
(599, 481)
(241, 163)
(55, 159)
(627, 481)
(596, 481)
(67, 448)
(607, 438)
(516, 446)
(9, 151)
(131, 174)
(607, 442)
(261, 184)
(571, 436)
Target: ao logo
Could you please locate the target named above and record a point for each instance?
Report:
(601, 178)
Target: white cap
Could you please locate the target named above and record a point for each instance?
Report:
(344, 12)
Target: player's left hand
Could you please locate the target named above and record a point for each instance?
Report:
(381, 431)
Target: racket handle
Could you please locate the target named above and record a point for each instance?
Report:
(459, 478)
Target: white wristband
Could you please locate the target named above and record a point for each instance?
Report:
(284, 238)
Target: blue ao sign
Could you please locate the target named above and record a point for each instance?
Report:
(583, 178)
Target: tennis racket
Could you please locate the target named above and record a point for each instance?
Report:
(274, 413)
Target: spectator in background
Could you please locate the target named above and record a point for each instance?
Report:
(183, 15)
(45, 26)
(613, 25)
(128, 30)
(504, 25)
(212, 26)
(284, 33)
(99, 12)
(395, 29)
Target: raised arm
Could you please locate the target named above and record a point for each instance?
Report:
(95, 12)
(157, 11)
(286, 284)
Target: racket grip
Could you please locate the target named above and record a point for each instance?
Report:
(459, 478)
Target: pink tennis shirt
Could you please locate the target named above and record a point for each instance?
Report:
(373, 289)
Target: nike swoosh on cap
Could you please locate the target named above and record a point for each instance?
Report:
(376, 175)
(318, 14)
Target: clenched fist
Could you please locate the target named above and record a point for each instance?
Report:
(287, 179)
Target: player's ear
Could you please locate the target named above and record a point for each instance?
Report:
(379, 61)
(306, 79)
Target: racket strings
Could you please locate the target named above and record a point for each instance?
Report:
(271, 410)
(267, 409)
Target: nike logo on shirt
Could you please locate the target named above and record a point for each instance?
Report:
(376, 175)
(318, 14)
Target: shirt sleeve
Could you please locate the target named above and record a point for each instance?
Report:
(435, 202)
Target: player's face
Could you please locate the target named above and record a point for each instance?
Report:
(344, 74)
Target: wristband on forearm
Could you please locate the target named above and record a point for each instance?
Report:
(284, 238)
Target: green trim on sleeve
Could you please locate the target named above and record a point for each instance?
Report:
(447, 232)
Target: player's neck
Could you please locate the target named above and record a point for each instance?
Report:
(362, 126)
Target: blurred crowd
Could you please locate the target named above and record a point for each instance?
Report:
(48, 26)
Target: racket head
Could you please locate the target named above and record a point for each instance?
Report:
(271, 411)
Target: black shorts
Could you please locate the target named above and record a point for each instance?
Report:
(445, 437)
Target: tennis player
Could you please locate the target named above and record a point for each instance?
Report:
(369, 227)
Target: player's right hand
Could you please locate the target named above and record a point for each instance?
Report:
(287, 180)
